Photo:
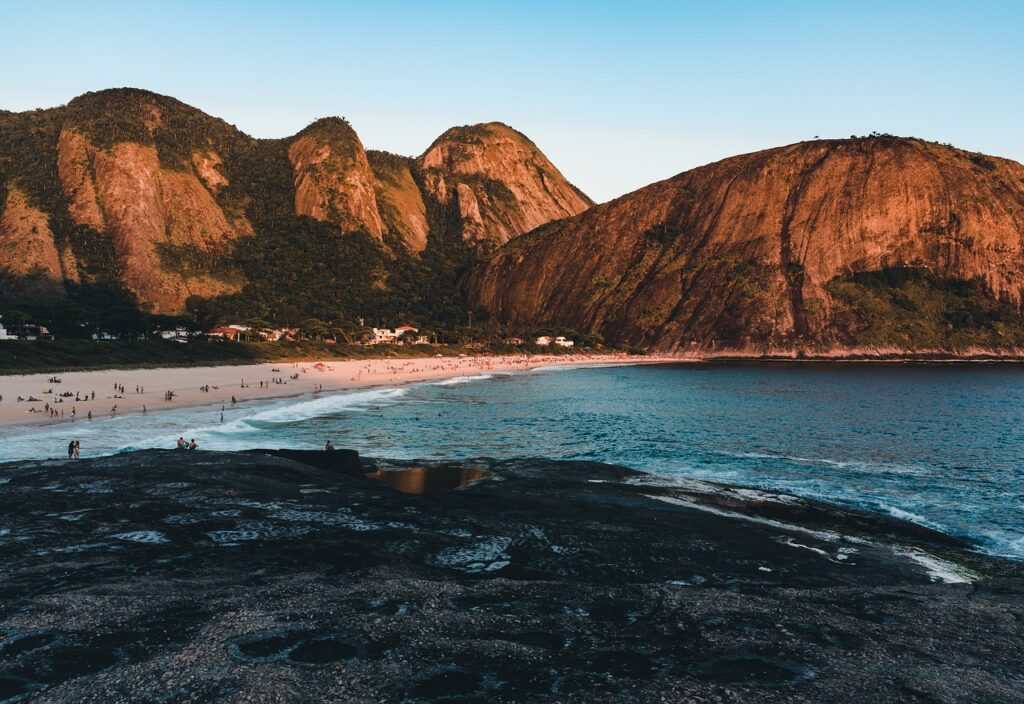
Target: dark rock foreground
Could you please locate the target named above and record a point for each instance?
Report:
(177, 577)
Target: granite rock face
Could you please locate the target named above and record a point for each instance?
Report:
(167, 576)
(26, 242)
(499, 181)
(333, 180)
(739, 254)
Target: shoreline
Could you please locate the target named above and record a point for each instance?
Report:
(263, 383)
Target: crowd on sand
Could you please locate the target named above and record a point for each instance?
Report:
(58, 401)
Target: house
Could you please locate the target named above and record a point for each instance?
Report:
(31, 332)
(517, 341)
(543, 341)
(230, 332)
(385, 336)
(178, 333)
(4, 335)
(562, 342)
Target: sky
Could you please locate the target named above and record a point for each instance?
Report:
(617, 94)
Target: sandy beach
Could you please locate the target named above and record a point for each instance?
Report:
(71, 397)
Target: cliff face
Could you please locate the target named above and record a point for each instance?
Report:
(500, 182)
(26, 243)
(125, 192)
(771, 251)
(399, 199)
(333, 180)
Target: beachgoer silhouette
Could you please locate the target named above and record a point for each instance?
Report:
(78, 450)
(329, 446)
(71, 450)
(192, 445)
(181, 443)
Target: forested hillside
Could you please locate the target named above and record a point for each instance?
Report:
(125, 209)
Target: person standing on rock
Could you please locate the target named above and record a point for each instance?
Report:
(78, 450)
(71, 450)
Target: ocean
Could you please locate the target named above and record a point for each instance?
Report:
(939, 445)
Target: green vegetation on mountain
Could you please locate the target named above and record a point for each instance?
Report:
(913, 308)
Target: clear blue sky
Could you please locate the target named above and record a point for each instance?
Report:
(618, 94)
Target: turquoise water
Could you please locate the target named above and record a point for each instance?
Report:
(939, 445)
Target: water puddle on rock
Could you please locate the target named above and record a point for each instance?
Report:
(428, 480)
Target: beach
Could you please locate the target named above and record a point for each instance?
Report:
(146, 391)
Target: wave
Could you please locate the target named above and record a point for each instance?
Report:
(306, 410)
(856, 465)
(573, 367)
(453, 381)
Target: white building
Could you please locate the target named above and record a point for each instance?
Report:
(178, 333)
(385, 336)
(4, 334)
(562, 342)
(543, 341)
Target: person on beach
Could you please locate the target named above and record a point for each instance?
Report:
(192, 445)
(328, 446)
(181, 443)
(143, 409)
(90, 415)
(71, 450)
(78, 450)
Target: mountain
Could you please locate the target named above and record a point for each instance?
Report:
(822, 247)
(502, 184)
(125, 199)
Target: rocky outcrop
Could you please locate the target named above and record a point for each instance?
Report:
(744, 253)
(194, 576)
(499, 180)
(207, 165)
(145, 207)
(74, 165)
(399, 199)
(26, 243)
(333, 179)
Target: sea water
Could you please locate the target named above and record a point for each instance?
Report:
(940, 445)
